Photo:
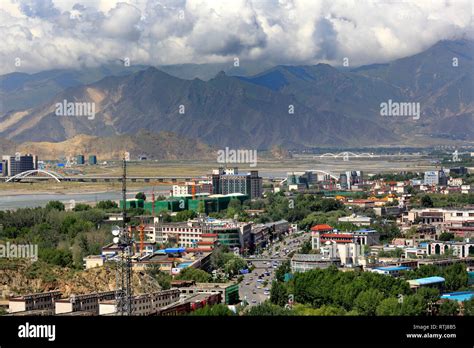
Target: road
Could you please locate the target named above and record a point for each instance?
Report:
(254, 291)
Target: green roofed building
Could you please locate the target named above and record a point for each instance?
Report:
(213, 203)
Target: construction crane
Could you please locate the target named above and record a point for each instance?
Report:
(142, 237)
(153, 201)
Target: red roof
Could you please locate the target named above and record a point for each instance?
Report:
(198, 249)
(209, 235)
(203, 242)
(322, 227)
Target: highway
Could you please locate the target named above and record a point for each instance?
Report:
(254, 291)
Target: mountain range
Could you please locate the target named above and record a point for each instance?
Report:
(289, 106)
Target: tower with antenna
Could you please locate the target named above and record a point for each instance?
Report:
(123, 238)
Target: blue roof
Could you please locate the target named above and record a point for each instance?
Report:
(459, 296)
(175, 250)
(429, 280)
(393, 268)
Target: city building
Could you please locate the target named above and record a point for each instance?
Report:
(316, 230)
(459, 296)
(458, 170)
(431, 282)
(80, 159)
(190, 304)
(435, 177)
(13, 165)
(31, 302)
(357, 220)
(362, 237)
(393, 271)
(229, 291)
(458, 249)
(302, 179)
(306, 262)
(144, 304)
(457, 221)
(230, 181)
(346, 253)
(92, 159)
(193, 187)
(87, 302)
(202, 234)
(92, 261)
(351, 179)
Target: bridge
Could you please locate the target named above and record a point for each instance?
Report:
(27, 175)
(346, 155)
(44, 175)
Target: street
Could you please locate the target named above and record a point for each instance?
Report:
(255, 287)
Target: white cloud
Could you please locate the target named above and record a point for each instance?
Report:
(49, 34)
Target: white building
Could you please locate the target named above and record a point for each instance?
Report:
(87, 302)
(356, 220)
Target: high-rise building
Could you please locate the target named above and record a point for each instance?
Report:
(13, 165)
(231, 181)
(92, 159)
(352, 178)
(435, 177)
(80, 159)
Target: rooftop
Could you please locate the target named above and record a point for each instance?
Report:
(426, 281)
(393, 268)
(321, 227)
(459, 296)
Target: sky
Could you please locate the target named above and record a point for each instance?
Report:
(50, 34)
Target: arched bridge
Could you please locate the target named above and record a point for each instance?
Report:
(34, 174)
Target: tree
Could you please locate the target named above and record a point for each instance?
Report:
(56, 257)
(306, 247)
(469, 307)
(426, 202)
(367, 301)
(81, 207)
(105, 205)
(195, 274)
(449, 308)
(201, 209)
(282, 270)
(220, 255)
(414, 305)
(55, 205)
(278, 294)
(214, 310)
(234, 264)
(184, 215)
(324, 310)
(163, 279)
(140, 195)
(445, 236)
(428, 294)
(456, 277)
(268, 309)
(389, 306)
